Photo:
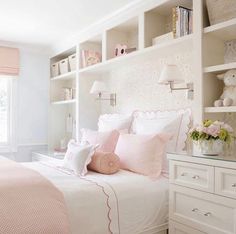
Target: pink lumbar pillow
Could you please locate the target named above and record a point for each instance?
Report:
(105, 163)
(142, 153)
(106, 140)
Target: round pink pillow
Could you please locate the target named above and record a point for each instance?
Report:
(105, 163)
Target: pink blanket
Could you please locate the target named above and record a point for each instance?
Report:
(29, 203)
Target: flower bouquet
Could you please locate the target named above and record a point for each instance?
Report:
(212, 136)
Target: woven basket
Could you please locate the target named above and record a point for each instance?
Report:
(221, 10)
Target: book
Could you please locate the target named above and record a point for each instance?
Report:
(182, 19)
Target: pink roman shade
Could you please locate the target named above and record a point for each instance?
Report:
(9, 61)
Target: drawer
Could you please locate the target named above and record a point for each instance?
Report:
(192, 175)
(177, 228)
(202, 211)
(225, 182)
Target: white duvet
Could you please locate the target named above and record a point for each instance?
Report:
(124, 203)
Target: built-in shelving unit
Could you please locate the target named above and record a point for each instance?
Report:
(62, 106)
(134, 28)
(174, 46)
(213, 63)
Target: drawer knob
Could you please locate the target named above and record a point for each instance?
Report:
(196, 177)
(207, 214)
(183, 174)
(233, 185)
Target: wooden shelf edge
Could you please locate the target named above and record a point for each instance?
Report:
(66, 76)
(220, 26)
(220, 109)
(63, 102)
(221, 67)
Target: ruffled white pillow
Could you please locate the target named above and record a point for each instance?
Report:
(78, 156)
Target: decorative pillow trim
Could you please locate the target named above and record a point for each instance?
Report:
(184, 123)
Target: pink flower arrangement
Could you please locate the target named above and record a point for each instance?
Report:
(212, 130)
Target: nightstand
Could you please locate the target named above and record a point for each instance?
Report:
(202, 196)
(46, 156)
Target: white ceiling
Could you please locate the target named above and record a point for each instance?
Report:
(44, 22)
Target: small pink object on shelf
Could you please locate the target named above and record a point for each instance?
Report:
(90, 57)
(122, 50)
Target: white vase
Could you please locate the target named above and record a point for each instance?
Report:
(212, 147)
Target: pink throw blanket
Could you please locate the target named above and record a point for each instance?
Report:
(29, 203)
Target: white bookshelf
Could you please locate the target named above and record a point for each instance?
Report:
(214, 37)
(60, 109)
(174, 46)
(137, 27)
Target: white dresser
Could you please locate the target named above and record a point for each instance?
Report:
(202, 196)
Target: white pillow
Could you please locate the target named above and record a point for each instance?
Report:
(109, 122)
(78, 156)
(172, 122)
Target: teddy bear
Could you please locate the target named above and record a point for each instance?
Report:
(228, 97)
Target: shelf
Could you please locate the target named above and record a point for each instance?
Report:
(64, 102)
(219, 68)
(66, 76)
(225, 30)
(220, 109)
(174, 46)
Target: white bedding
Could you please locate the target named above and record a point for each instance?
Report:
(125, 203)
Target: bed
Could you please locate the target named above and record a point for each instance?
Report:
(125, 202)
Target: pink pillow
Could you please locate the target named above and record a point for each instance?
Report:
(142, 153)
(105, 163)
(106, 140)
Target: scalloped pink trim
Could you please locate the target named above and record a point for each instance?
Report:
(107, 200)
(91, 181)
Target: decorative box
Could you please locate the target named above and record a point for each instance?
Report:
(55, 69)
(230, 51)
(72, 62)
(220, 10)
(163, 38)
(63, 66)
(90, 57)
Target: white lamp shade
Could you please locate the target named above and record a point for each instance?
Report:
(98, 87)
(170, 73)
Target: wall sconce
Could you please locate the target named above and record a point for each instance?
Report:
(171, 75)
(99, 88)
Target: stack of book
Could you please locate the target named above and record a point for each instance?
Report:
(182, 21)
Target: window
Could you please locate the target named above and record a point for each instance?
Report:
(7, 140)
(4, 111)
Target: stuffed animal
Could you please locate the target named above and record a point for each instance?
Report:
(228, 97)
